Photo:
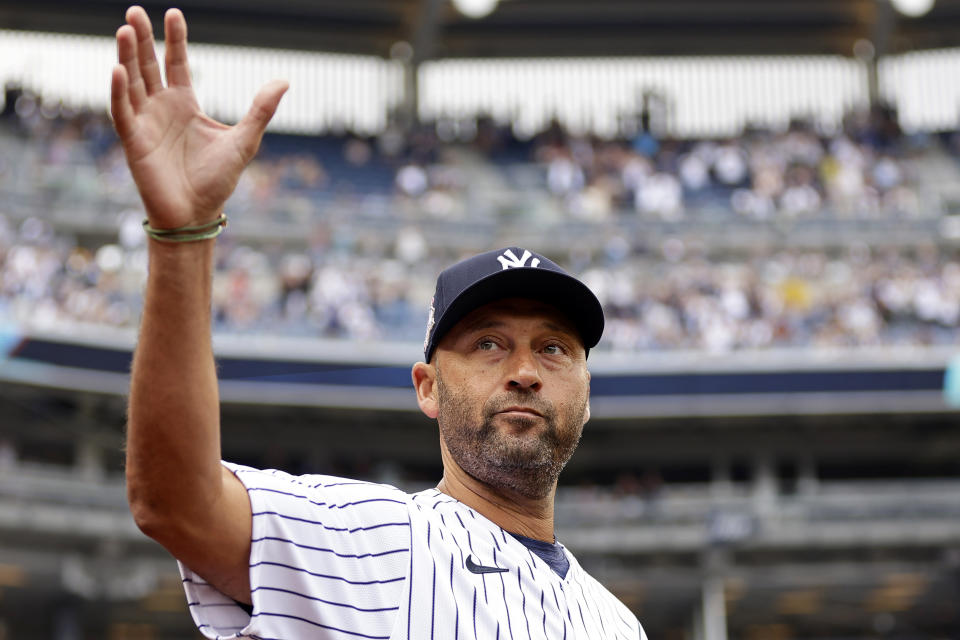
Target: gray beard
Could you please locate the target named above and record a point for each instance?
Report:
(528, 466)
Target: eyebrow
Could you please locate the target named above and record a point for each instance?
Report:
(476, 325)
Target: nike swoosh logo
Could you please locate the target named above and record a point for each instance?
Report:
(473, 567)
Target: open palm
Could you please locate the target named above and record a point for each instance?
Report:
(184, 163)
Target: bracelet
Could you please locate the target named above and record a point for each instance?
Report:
(193, 233)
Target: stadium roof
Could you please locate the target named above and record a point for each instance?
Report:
(520, 28)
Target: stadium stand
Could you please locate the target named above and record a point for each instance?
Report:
(65, 182)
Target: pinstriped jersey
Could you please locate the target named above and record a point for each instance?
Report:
(339, 559)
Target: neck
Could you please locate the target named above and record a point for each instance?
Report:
(530, 517)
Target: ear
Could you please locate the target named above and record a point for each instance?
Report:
(425, 384)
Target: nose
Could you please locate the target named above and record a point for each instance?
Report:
(524, 371)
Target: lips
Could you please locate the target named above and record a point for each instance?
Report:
(526, 410)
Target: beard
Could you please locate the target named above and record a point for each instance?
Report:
(528, 464)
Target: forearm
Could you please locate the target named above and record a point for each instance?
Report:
(173, 439)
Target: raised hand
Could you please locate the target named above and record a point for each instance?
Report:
(184, 163)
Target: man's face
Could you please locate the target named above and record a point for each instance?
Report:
(512, 391)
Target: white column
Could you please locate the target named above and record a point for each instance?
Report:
(807, 475)
(89, 460)
(714, 609)
(764, 484)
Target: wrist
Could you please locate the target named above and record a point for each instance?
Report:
(189, 233)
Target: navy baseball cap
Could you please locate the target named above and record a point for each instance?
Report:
(510, 273)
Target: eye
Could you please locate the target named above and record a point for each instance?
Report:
(553, 349)
(486, 345)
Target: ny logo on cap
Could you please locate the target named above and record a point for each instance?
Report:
(510, 260)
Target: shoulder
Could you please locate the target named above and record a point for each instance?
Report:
(273, 478)
(610, 602)
(316, 520)
(271, 490)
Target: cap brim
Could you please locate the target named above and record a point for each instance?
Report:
(567, 294)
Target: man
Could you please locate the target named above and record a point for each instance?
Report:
(268, 555)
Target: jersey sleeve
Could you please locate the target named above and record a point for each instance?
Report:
(328, 558)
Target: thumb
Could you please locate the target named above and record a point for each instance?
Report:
(249, 130)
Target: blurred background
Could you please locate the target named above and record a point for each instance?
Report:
(764, 195)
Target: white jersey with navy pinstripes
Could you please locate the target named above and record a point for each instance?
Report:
(339, 559)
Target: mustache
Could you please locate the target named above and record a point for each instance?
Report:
(519, 399)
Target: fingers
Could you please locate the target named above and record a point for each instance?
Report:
(127, 56)
(146, 56)
(250, 130)
(175, 33)
(120, 107)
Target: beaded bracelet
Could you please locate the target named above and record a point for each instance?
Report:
(194, 233)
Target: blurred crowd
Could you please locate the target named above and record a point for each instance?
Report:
(479, 170)
(367, 291)
(339, 284)
(784, 298)
(860, 171)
